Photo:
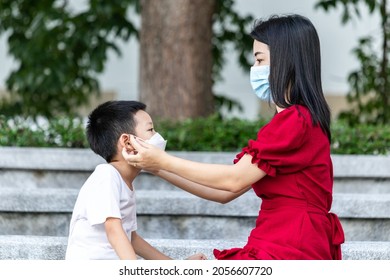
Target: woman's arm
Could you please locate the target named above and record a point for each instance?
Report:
(198, 189)
(233, 178)
(118, 239)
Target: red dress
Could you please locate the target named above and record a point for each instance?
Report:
(294, 221)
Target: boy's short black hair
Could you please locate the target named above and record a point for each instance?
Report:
(108, 122)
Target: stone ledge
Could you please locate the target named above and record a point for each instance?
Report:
(177, 214)
(60, 179)
(22, 247)
(345, 205)
(364, 166)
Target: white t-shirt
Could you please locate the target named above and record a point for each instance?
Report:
(104, 194)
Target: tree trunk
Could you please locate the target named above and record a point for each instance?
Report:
(176, 58)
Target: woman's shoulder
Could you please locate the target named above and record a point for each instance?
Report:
(294, 114)
(292, 123)
(294, 111)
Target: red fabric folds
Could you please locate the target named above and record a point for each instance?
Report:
(296, 195)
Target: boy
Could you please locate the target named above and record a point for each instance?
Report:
(103, 224)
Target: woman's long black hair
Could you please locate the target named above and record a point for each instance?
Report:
(295, 70)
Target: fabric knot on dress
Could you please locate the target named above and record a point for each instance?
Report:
(337, 235)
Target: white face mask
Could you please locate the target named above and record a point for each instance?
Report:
(158, 141)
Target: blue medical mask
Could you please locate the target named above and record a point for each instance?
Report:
(259, 81)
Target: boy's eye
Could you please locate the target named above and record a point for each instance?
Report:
(151, 129)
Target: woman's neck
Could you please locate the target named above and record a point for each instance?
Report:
(278, 109)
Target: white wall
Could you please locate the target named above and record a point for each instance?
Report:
(337, 41)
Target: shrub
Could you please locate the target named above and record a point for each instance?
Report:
(201, 134)
(208, 134)
(58, 132)
(360, 139)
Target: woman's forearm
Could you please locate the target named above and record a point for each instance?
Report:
(232, 178)
(198, 189)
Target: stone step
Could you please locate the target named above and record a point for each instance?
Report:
(64, 179)
(28, 179)
(23, 247)
(177, 214)
(69, 168)
(345, 166)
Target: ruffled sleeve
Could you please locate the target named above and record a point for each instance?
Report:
(278, 147)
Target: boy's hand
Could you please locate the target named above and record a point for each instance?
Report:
(198, 256)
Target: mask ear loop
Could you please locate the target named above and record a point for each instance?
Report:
(128, 144)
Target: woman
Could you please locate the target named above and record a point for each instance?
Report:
(288, 166)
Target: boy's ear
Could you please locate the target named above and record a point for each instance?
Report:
(125, 142)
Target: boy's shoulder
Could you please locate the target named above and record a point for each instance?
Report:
(104, 166)
(104, 174)
(104, 170)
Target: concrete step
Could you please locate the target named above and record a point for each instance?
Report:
(23, 247)
(177, 214)
(345, 166)
(69, 168)
(29, 179)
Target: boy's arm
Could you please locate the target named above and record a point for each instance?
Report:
(118, 239)
(145, 250)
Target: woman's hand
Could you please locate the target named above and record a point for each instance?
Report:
(145, 156)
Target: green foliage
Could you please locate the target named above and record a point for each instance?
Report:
(370, 85)
(360, 139)
(59, 52)
(204, 134)
(350, 7)
(223, 102)
(230, 27)
(209, 134)
(66, 132)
